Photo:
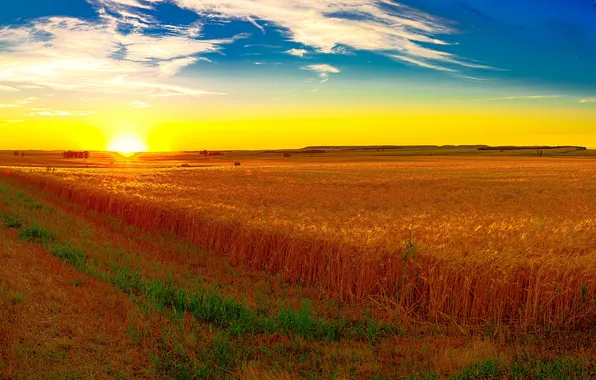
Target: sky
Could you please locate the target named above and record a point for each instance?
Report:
(254, 74)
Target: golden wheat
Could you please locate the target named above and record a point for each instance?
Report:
(509, 242)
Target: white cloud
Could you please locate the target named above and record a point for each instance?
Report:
(19, 103)
(174, 66)
(588, 100)
(331, 26)
(30, 86)
(59, 113)
(526, 97)
(72, 54)
(252, 21)
(139, 104)
(422, 63)
(127, 50)
(297, 52)
(322, 68)
(8, 89)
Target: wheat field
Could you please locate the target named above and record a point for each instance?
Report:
(506, 242)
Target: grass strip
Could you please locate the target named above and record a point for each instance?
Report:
(207, 304)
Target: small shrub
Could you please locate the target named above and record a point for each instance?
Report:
(11, 221)
(70, 255)
(17, 298)
(36, 234)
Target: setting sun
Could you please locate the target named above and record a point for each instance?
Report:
(127, 145)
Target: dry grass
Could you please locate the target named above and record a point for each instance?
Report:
(56, 322)
(496, 243)
(450, 359)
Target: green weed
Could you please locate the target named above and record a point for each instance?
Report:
(17, 298)
(36, 234)
(71, 255)
(11, 221)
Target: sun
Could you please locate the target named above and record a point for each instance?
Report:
(127, 145)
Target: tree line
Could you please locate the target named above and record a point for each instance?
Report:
(76, 154)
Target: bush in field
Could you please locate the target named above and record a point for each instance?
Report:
(11, 221)
(36, 234)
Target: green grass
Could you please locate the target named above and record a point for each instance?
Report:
(36, 234)
(17, 298)
(530, 368)
(71, 255)
(11, 221)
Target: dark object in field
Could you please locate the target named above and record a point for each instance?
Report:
(236, 163)
(16, 153)
(207, 153)
(76, 154)
(185, 166)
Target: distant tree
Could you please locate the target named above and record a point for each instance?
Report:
(76, 154)
(16, 152)
(22, 154)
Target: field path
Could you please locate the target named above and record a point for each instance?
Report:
(56, 322)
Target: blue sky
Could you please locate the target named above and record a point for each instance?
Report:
(139, 54)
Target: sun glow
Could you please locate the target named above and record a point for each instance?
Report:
(127, 145)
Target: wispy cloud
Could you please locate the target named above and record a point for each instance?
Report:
(331, 26)
(66, 53)
(31, 87)
(59, 113)
(525, 97)
(19, 103)
(421, 63)
(323, 69)
(297, 52)
(260, 63)
(126, 50)
(139, 104)
(588, 100)
(8, 89)
(252, 21)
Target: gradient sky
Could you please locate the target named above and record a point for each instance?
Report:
(251, 74)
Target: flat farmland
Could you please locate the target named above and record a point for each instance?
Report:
(416, 267)
(509, 242)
